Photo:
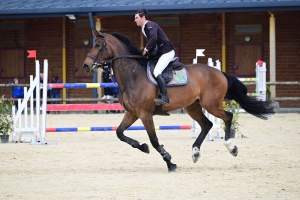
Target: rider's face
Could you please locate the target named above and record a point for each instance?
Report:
(139, 20)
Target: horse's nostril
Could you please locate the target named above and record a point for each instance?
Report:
(86, 67)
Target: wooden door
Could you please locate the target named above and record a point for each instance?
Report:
(79, 57)
(12, 63)
(245, 58)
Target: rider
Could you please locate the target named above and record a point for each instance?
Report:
(156, 36)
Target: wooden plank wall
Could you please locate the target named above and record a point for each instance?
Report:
(200, 31)
(287, 48)
(288, 54)
(14, 40)
(194, 31)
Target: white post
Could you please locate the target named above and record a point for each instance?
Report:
(25, 109)
(44, 108)
(195, 60)
(210, 62)
(44, 104)
(31, 104)
(261, 81)
(37, 98)
(14, 138)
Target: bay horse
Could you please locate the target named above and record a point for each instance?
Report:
(207, 88)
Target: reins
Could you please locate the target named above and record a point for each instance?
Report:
(129, 79)
(100, 64)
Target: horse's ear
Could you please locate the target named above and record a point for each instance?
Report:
(95, 32)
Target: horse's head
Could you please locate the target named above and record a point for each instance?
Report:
(99, 53)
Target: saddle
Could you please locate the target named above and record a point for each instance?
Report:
(167, 74)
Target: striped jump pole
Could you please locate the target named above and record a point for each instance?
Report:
(82, 85)
(113, 128)
(248, 79)
(83, 107)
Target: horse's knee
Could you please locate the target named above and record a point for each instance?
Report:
(120, 134)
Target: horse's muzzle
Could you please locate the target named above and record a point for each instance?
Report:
(86, 68)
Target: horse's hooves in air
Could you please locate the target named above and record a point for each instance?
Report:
(172, 167)
(144, 148)
(196, 154)
(234, 151)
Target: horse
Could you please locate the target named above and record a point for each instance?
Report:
(207, 88)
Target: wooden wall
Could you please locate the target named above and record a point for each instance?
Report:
(193, 31)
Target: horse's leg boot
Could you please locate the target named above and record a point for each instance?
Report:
(162, 96)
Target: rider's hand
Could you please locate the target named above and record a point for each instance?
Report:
(145, 52)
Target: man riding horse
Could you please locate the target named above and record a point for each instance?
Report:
(156, 36)
(206, 89)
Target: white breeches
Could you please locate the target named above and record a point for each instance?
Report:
(163, 62)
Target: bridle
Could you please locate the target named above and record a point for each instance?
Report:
(100, 64)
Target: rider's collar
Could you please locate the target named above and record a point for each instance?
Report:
(143, 28)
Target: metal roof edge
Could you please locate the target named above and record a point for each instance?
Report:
(153, 9)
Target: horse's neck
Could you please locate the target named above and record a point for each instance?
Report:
(124, 69)
(125, 72)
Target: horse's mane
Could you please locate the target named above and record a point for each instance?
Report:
(132, 49)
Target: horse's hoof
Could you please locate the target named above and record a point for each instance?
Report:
(196, 154)
(234, 151)
(145, 148)
(172, 168)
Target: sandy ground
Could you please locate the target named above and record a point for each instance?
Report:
(96, 165)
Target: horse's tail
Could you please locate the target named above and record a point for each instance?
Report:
(238, 92)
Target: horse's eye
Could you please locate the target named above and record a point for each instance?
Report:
(97, 45)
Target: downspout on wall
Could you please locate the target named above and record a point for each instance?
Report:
(64, 58)
(223, 43)
(272, 55)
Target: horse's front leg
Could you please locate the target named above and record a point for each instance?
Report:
(149, 125)
(127, 121)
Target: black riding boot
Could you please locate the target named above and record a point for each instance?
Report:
(162, 96)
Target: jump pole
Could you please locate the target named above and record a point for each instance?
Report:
(82, 85)
(113, 128)
(84, 107)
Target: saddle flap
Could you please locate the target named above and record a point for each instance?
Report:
(167, 74)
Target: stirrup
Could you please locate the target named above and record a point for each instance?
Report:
(162, 100)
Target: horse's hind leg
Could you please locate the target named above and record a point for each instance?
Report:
(127, 121)
(233, 150)
(195, 111)
(219, 112)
